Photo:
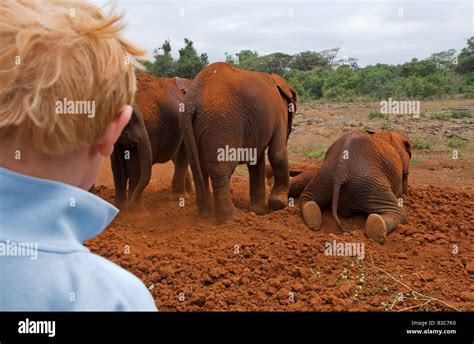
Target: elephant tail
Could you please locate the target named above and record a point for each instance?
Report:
(338, 182)
(335, 200)
(186, 127)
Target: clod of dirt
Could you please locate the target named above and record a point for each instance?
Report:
(470, 267)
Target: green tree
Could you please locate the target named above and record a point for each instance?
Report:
(189, 62)
(229, 58)
(309, 60)
(466, 58)
(163, 64)
(444, 59)
(340, 84)
(245, 55)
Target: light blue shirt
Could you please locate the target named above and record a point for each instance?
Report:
(43, 263)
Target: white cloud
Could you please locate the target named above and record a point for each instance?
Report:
(371, 31)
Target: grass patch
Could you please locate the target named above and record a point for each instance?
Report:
(447, 115)
(442, 116)
(461, 114)
(420, 144)
(317, 153)
(456, 142)
(376, 115)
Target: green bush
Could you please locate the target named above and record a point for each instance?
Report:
(419, 144)
(317, 154)
(442, 116)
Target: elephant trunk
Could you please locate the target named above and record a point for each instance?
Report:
(145, 157)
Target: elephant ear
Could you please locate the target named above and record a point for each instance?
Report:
(285, 90)
(402, 141)
(183, 84)
(408, 147)
(289, 94)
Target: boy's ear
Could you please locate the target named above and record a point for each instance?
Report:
(105, 144)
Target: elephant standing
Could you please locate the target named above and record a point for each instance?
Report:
(152, 136)
(246, 111)
(365, 172)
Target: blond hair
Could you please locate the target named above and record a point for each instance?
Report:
(51, 51)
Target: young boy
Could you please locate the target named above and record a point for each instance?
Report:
(66, 79)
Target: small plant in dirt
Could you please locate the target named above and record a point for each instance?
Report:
(317, 153)
(461, 114)
(385, 126)
(456, 142)
(442, 116)
(420, 144)
(376, 115)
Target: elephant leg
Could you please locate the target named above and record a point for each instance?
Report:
(120, 178)
(278, 157)
(316, 195)
(224, 209)
(180, 161)
(300, 181)
(257, 186)
(384, 216)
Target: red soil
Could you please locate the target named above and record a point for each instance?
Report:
(274, 263)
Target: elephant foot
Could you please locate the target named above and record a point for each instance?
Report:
(312, 215)
(259, 210)
(224, 216)
(278, 202)
(376, 228)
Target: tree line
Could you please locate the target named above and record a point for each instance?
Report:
(316, 75)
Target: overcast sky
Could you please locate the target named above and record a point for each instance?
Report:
(372, 31)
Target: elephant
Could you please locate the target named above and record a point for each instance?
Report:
(230, 110)
(300, 173)
(152, 136)
(361, 172)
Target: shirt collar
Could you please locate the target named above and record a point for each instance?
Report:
(57, 216)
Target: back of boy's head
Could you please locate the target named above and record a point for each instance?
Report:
(55, 52)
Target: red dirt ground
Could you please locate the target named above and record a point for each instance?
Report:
(275, 263)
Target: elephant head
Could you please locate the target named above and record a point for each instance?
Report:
(403, 147)
(135, 135)
(289, 96)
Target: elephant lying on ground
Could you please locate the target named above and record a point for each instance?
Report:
(230, 110)
(361, 172)
(300, 173)
(152, 136)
